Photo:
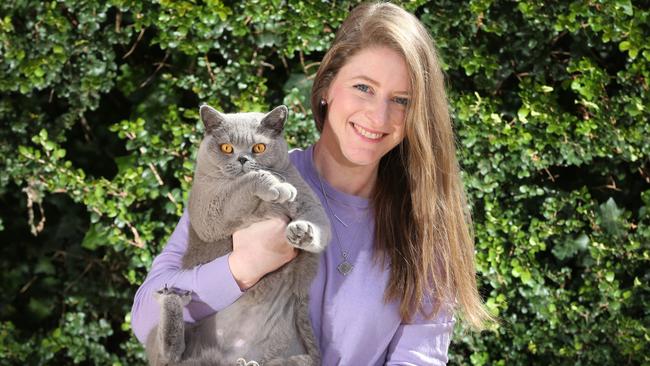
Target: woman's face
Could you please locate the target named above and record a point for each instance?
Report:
(366, 107)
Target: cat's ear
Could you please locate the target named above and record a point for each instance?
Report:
(211, 118)
(274, 120)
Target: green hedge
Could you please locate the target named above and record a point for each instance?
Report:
(99, 133)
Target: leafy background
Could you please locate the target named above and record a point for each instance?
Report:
(99, 133)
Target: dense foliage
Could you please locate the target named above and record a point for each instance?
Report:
(99, 131)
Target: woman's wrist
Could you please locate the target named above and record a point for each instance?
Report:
(242, 272)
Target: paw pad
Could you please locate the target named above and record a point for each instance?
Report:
(300, 234)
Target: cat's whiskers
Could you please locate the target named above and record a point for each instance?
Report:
(234, 169)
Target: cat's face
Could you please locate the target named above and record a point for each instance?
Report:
(235, 144)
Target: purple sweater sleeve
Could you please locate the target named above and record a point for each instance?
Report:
(212, 284)
(422, 341)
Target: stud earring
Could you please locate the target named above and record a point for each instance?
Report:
(323, 102)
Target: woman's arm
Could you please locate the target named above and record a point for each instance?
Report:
(422, 342)
(257, 250)
(213, 285)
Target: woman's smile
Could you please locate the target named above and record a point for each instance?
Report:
(371, 136)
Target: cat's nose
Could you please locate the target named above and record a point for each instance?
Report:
(242, 160)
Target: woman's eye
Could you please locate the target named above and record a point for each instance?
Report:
(226, 148)
(259, 148)
(402, 101)
(363, 87)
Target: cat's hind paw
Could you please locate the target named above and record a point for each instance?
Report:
(304, 235)
(167, 294)
(242, 362)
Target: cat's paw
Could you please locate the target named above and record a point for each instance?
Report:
(166, 295)
(242, 362)
(303, 235)
(279, 193)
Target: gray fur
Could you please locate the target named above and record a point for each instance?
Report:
(269, 324)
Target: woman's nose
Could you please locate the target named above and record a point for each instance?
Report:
(378, 112)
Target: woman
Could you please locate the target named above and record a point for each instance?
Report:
(401, 261)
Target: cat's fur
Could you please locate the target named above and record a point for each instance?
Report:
(269, 323)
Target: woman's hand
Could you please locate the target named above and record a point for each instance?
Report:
(259, 249)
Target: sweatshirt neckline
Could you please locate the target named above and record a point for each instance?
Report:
(333, 195)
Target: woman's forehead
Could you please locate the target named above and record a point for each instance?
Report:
(380, 66)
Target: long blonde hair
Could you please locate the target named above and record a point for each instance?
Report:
(423, 226)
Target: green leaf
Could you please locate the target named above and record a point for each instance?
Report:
(624, 46)
(570, 248)
(522, 113)
(39, 72)
(125, 163)
(93, 238)
(610, 216)
(22, 150)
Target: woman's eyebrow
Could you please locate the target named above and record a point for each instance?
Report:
(367, 78)
(375, 82)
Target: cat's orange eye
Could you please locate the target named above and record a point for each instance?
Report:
(259, 148)
(226, 148)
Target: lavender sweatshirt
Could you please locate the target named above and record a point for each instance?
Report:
(351, 322)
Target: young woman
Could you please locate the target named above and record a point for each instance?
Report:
(401, 260)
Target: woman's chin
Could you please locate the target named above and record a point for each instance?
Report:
(363, 158)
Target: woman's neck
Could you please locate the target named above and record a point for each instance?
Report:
(344, 177)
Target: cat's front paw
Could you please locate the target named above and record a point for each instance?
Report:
(242, 362)
(279, 193)
(304, 235)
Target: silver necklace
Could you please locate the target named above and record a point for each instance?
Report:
(344, 267)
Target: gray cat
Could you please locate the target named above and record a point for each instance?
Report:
(243, 175)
